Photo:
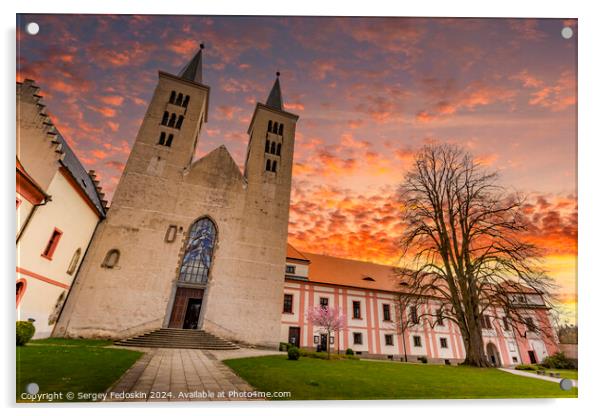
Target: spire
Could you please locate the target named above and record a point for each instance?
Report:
(275, 98)
(193, 71)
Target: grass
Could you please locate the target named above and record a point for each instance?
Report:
(65, 365)
(315, 379)
(572, 374)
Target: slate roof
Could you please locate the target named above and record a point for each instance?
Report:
(275, 98)
(193, 71)
(79, 173)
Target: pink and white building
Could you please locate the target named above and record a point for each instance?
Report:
(366, 293)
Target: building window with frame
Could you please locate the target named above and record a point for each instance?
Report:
(443, 342)
(386, 312)
(324, 303)
(290, 269)
(486, 322)
(417, 340)
(414, 314)
(74, 261)
(357, 338)
(52, 244)
(506, 323)
(388, 339)
(440, 317)
(357, 311)
(288, 303)
(530, 324)
(21, 286)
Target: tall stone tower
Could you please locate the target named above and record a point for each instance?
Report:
(191, 244)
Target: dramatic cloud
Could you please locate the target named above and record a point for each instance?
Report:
(369, 92)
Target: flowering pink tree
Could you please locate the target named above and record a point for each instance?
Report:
(328, 319)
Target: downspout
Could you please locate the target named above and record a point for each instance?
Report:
(30, 216)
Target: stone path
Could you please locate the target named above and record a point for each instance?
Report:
(533, 375)
(168, 374)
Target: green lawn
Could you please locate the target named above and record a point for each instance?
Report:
(60, 365)
(572, 374)
(317, 379)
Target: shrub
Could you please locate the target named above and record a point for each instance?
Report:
(293, 353)
(423, 359)
(526, 367)
(348, 351)
(25, 331)
(557, 361)
(284, 346)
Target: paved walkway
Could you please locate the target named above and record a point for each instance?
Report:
(168, 374)
(533, 375)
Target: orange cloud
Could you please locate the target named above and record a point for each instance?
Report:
(115, 100)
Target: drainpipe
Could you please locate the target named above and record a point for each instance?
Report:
(30, 216)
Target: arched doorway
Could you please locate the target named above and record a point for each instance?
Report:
(193, 275)
(493, 356)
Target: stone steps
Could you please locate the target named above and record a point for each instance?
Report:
(178, 338)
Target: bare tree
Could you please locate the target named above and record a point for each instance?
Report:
(463, 248)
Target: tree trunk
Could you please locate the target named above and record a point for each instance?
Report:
(473, 344)
(328, 344)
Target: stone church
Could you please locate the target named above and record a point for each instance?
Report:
(191, 243)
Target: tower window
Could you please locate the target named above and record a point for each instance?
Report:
(280, 129)
(172, 97)
(111, 259)
(172, 120)
(165, 118)
(179, 123)
(275, 128)
(169, 140)
(268, 165)
(186, 100)
(273, 166)
(273, 148)
(270, 126)
(179, 99)
(278, 148)
(267, 146)
(162, 138)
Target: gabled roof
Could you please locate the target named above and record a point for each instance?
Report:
(275, 98)
(193, 71)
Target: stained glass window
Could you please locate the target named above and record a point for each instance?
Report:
(199, 249)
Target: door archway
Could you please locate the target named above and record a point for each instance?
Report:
(493, 355)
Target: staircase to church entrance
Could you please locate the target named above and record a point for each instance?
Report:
(178, 338)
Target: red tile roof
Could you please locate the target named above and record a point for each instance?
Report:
(293, 253)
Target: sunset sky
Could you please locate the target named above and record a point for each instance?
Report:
(369, 93)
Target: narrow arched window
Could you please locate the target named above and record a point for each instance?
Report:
(268, 165)
(270, 126)
(111, 259)
(267, 146)
(172, 97)
(179, 99)
(58, 306)
(179, 123)
(274, 166)
(162, 138)
(165, 118)
(280, 129)
(273, 148)
(186, 100)
(198, 256)
(74, 261)
(275, 129)
(172, 120)
(278, 148)
(169, 140)
(21, 286)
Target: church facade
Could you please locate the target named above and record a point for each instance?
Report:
(191, 244)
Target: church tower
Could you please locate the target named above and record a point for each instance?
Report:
(191, 244)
